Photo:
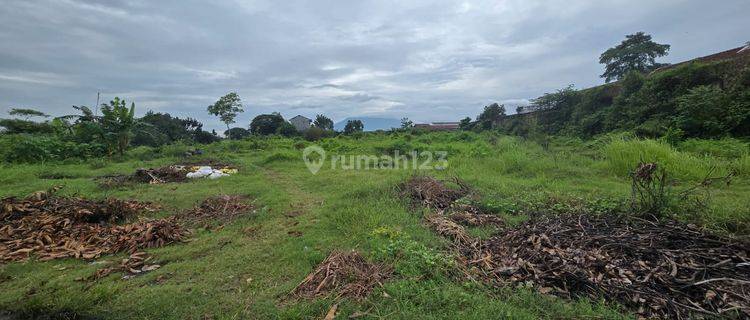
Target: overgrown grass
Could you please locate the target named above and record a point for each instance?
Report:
(623, 155)
(246, 269)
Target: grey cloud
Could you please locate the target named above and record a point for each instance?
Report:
(425, 60)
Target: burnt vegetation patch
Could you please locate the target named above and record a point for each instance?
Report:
(656, 267)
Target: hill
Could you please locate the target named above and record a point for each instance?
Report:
(707, 97)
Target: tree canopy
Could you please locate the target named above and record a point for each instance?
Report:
(27, 113)
(636, 53)
(406, 123)
(323, 122)
(266, 124)
(227, 108)
(491, 116)
(353, 126)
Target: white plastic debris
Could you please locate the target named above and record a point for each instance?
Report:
(217, 174)
(209, 172)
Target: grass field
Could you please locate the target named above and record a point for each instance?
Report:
(246, 269)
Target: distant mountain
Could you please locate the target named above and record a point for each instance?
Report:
(371, 124)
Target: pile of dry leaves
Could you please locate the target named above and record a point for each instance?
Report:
(662, 269)
(431, 193)
(51, 227)
(347, 274)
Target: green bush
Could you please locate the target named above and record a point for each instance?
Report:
(25, 148)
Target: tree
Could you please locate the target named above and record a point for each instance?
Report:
(353, 126)
(164, 128)
(266, 124)
(465, 124)
(205, 137)
(13, 126)
(118, 122)
(287, 129)
(323, 122)
(406, 123)
(227, 108)
(636, 53)
(237, 133)
(27, 113)
(491, 116)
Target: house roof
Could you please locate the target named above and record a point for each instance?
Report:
(301, 117)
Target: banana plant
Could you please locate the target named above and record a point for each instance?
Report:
(119, 123)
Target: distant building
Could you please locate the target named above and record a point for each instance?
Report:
(300, 123)
(438, 126)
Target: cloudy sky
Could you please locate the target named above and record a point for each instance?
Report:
(426, 60)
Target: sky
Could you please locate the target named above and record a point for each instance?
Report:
(425, 60)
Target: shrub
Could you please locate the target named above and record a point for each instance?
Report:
(703, 112)
(23, 148)
(314, 134)
(287, 129)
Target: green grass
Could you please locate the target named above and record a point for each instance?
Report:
(246, 269)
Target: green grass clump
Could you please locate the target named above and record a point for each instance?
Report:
(723, 148)
(622, 156)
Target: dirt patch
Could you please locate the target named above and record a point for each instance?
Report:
(57, 176)
(294, 213)
(221, 208)
(345, 274)
(431, 193)
(473, 218)
(136, 264)
(51, 227)
(662, 269)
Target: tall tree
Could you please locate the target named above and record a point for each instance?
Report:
(491, 116)
(227, 108)
(636, 53)
(465, 124)
(353, 126)
(406, 123)
(27, 113)
(323, 122)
